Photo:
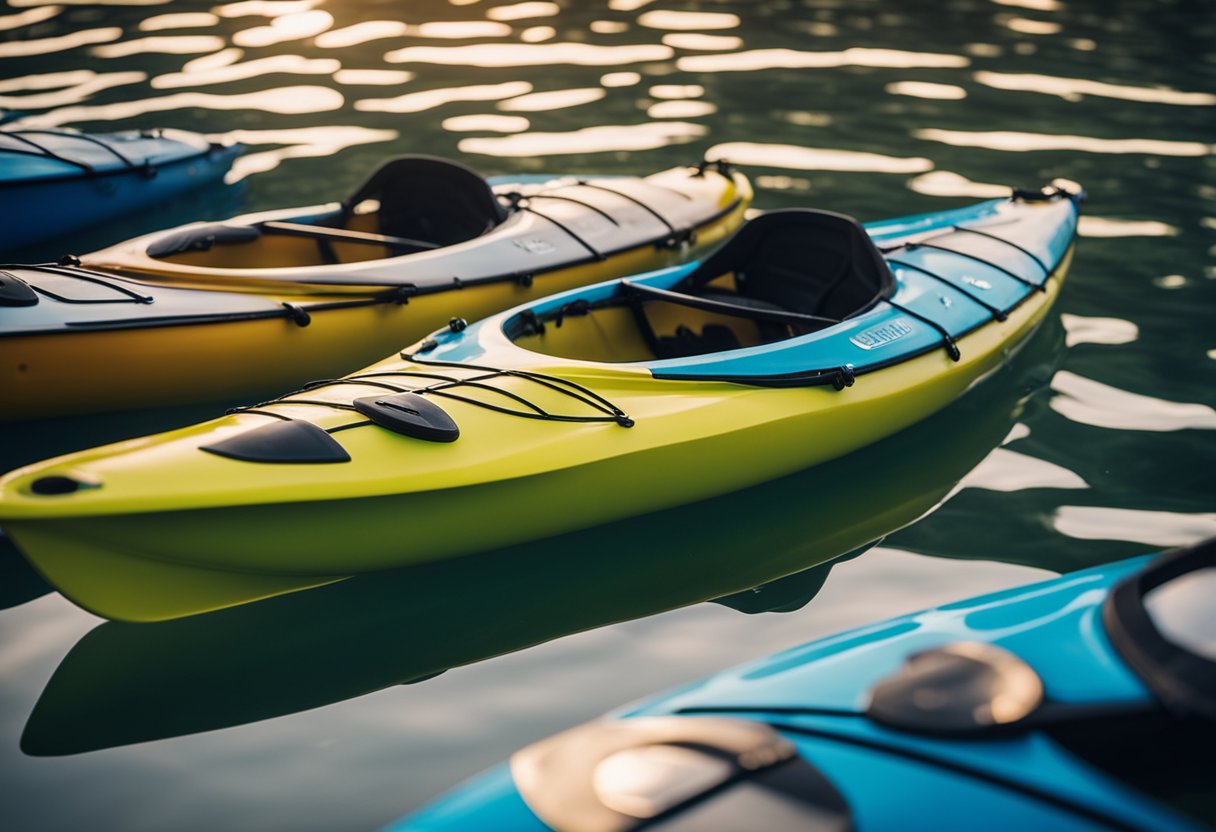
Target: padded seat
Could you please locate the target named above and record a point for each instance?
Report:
(431, 199)
(799, 260)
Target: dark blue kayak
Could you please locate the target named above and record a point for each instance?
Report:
(1086, 702)
(54, 182)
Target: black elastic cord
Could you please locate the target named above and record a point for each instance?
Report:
(1027, 252)
(540, 378)
(23, 136)
(587, 205)
(359, 424)
(947, 339)
(596, 253)
(1042, 287)
(671, 228)
(443, 386)
(996, 312)
(77, 273)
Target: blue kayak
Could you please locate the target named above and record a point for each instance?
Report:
(1085, 702)
(54, 182)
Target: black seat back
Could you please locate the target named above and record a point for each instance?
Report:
(431, 199)
(801, 260)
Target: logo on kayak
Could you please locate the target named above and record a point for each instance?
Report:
(880, 336)
(536, 245)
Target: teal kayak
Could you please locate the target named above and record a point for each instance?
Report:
(1087, 702)
(56, 181)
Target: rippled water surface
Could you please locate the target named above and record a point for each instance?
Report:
(324, 710)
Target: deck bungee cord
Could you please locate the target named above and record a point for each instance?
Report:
(996, 312)
(912, 245)
(23, 136)
(69, 266)
(443, 386)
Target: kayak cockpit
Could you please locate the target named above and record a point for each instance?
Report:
(785, 274)
(411, 204)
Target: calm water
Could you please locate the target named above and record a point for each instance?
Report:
(324, 710)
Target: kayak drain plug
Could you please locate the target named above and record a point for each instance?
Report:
(54, 486)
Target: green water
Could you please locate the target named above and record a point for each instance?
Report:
(323, 710)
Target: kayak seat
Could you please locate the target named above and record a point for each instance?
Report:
(801, 261)
(785, 274)
(429, 199)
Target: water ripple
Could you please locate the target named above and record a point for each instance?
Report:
(1037, 5)
(924, 89)
(1100, 405)
(1085, 330)
(1091, 226)
(1017, 142)
(160, 44)
(459, 29)
(61, 43)
(18, 4)
(264, 8)
(292, 64)
(681, 109)
(28, 18)
(814, 158)
(525, 54)
(522, 11)
(1152, 528)
(537, 34)
(1027, 26)
(281, 100)
(603, 139)
(620, 79)
(677, 91)
(696, 42)
(181, 20)
(373, 77)
(1074, 88)
(84, 84)
(758, 59)
(416, 102)
(222, 58)
(289, 27)
(298, 143)
(358, 33)
(486, 123)
(1007, 471)
(552, 100)
(948, 183)
(688, 21)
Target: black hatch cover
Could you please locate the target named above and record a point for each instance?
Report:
(16, 292)
(409, 414)
(283, 442)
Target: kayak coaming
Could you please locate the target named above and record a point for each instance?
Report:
(124, 361)
(106, 546)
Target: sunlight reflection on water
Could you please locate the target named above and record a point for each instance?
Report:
(881, 110)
